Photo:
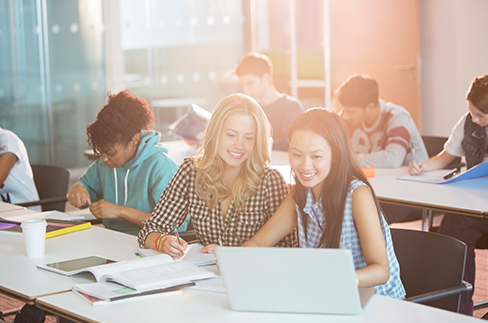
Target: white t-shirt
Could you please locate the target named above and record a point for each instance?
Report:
(453, 145)
(19, 185)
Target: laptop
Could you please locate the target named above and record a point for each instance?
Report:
(291, 280)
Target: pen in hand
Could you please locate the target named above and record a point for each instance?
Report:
(413, 151)
(176, 233)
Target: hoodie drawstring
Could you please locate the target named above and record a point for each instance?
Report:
(126, 188)
(116, 192)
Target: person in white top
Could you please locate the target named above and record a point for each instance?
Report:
(469, 138)
(16, 178)
(382, 133)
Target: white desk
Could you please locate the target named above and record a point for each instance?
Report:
(199, 306)
(468, 197)
(21, 279)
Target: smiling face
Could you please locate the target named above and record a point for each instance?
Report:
(310, 159)
(478, 116)
(237, 139)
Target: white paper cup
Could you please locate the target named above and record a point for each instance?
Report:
(34, 236)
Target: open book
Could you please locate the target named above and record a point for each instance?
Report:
(142, 274)
(448, 176)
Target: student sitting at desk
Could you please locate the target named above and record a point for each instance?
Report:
(332, 204)
(469, 138)
(125, 183)
(227, 187)
(383, 134)
(16, 178)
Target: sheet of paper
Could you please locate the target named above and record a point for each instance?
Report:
(193, 254)
(215, 285)
(26, 214)
(436, 176)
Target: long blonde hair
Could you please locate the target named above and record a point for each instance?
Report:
(209, 165)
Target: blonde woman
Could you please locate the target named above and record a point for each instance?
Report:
(227, 188)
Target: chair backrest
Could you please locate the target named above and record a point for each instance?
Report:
(434, 145)
(430, 262)
(51, 181)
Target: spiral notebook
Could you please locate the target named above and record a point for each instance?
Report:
(291, 280)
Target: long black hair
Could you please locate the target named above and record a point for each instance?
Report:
(344, 168)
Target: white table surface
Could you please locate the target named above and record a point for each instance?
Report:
(468, 197)
(20, 278)
(200, 306)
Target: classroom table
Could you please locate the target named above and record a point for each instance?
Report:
(50, 291)
(466, 197)
(202, 306)
(21, 279)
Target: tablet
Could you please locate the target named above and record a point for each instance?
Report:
(75, 266)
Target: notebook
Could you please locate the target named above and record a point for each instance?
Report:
(291, 280)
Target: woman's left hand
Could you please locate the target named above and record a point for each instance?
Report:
(210, 248)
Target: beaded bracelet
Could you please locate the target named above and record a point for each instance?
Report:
(158, 242)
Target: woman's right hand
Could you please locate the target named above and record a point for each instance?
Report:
(173, 248)
(79, 196)
(414, 168)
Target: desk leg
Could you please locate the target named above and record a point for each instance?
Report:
(426, 219)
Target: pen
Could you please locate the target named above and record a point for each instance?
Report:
(176, 232)
(450, 174)
(413, 151)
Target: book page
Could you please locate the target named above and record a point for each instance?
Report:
(159, 276)
(99, 271)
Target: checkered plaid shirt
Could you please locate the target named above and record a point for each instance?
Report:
(180, 199)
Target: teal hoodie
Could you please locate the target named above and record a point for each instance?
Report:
(138, 183)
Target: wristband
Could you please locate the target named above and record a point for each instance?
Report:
(357, 279)
(158, 242)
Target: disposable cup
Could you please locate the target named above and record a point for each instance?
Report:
(34, 236)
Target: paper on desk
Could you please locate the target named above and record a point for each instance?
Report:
(215, 285)
(436, 176)
(193, 254)
(26, 214)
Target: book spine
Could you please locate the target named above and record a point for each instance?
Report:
(66, 230)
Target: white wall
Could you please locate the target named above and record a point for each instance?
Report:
(454, 51)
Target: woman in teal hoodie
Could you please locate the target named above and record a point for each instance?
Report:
(125, 183)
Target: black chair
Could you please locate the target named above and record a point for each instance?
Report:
(434, 145)
(431, 267)
(52, 183)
